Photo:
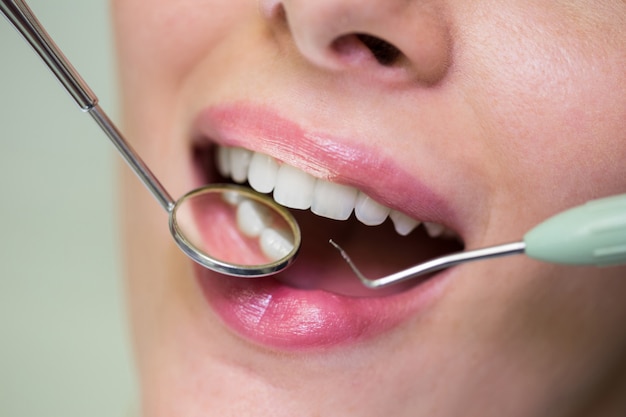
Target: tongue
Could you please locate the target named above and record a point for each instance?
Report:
(377, 251)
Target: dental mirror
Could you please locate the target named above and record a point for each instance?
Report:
(227, 228)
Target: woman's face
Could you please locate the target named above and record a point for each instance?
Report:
(485, 117)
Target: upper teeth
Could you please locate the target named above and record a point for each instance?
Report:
(294, 188)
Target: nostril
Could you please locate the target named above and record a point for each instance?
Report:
(358, 44)
(385, 53)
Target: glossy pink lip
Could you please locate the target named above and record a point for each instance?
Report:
(338, 159)
(273, 314)
(267, 312)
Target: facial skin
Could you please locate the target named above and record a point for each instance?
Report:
(511, 111)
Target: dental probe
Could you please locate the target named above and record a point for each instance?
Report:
(590, 234)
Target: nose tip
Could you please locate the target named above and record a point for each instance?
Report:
(370, 35)
(309, 28)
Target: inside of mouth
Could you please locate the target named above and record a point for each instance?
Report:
(377, 250)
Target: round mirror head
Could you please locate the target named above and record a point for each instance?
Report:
(234, 230)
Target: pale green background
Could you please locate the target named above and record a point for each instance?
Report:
(64, 347)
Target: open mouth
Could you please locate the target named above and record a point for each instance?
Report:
(380, 239)
(327, 182)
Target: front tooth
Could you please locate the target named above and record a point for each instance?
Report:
(252, 218)
(294, 188)
(239, 163)
(222, 160)
(403, 223)
(369, 211)
(262, 173)
(276, 244)
(434, 229)
(335, 201)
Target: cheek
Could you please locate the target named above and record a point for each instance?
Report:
(554, 110)
(163, 39)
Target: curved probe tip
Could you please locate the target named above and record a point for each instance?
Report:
(364, 280)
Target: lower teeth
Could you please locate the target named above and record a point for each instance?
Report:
(256, 221)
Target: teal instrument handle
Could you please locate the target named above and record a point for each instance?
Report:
(591, 234)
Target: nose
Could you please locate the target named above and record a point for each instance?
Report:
(367, 34)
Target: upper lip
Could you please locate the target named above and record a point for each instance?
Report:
(337, 159)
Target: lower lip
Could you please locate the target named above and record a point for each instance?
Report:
(272, 314)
